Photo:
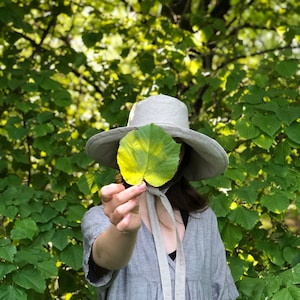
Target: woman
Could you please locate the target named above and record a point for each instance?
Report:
(149, 243)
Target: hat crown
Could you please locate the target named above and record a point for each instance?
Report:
(160, 110)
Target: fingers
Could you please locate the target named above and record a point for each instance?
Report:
(120, 203)
(123, 210)
(108, 191)
(124, 223)
(118, 192)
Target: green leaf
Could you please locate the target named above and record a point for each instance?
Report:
(261, 79)
(30, 278)
(26, 210)
(288, 293)
(220, 205)
(268, 106)
(235, 174)
(272, 284)
(287, 68)
(78, 59)
(5, 269)
(245, 217)
(252, 98)
(15, 83)
(247, 193)
(61, 238)
(75, 213)
(47, 214)
(238, 267)
(146, 62)
(43, 129)
(30, 87)
(231, 235)
(8, 252)
(246, 129)
(291, 276)
(50, 84)
(62, 98)
(17, 133)
(47, 268)
(12, 292)
(25, 229)
(288, 114)
(234, 79)
(20, 156)
(267, 123)
(64, 164)
(148, 154)
(290, 254)
(72, 256)
(169, 81)
(85, 183)
(293, 132)
(264, 141)
(252, 287)
(28, 254)
(44, 117)
(10, 211)
(277, 202)
(59, 205)
(91, 38)
(81, 159)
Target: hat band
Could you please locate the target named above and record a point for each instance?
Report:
(160, 250)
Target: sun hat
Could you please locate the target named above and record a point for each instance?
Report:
(208, 159)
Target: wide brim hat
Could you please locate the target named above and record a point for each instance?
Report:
(207, 158)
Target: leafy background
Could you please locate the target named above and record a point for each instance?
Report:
(69, 69)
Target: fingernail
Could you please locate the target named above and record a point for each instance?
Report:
(142, 185)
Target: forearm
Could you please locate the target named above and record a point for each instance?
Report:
(112, 249)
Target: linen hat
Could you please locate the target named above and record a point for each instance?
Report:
(208, 159)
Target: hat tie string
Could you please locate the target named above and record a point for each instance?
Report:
(160, 249)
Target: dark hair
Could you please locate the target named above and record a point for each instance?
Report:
(181, 194)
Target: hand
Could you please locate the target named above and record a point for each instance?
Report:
(122, 205)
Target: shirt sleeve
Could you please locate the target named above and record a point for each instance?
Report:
(94, 222)
(223, 285)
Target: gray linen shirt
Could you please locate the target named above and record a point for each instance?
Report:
(207, 274)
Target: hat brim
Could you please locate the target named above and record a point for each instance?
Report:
(208, 159)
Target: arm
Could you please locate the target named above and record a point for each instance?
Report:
(113, 248)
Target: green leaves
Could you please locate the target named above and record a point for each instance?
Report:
(293, 132)
(25, 229)
(30, 279)
(281, 287)
(287, 68)
(91, 38)
(7, 250)
(245, 217)
(37, 224)
(246, 129)
(72, 256)
(11, 292)
(276, 202)
(267, 123)
(148, 154)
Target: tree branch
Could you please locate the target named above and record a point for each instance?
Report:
(230, 60)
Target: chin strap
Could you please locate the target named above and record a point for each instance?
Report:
(160, 249)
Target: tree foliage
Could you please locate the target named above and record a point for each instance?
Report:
(71, 68)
